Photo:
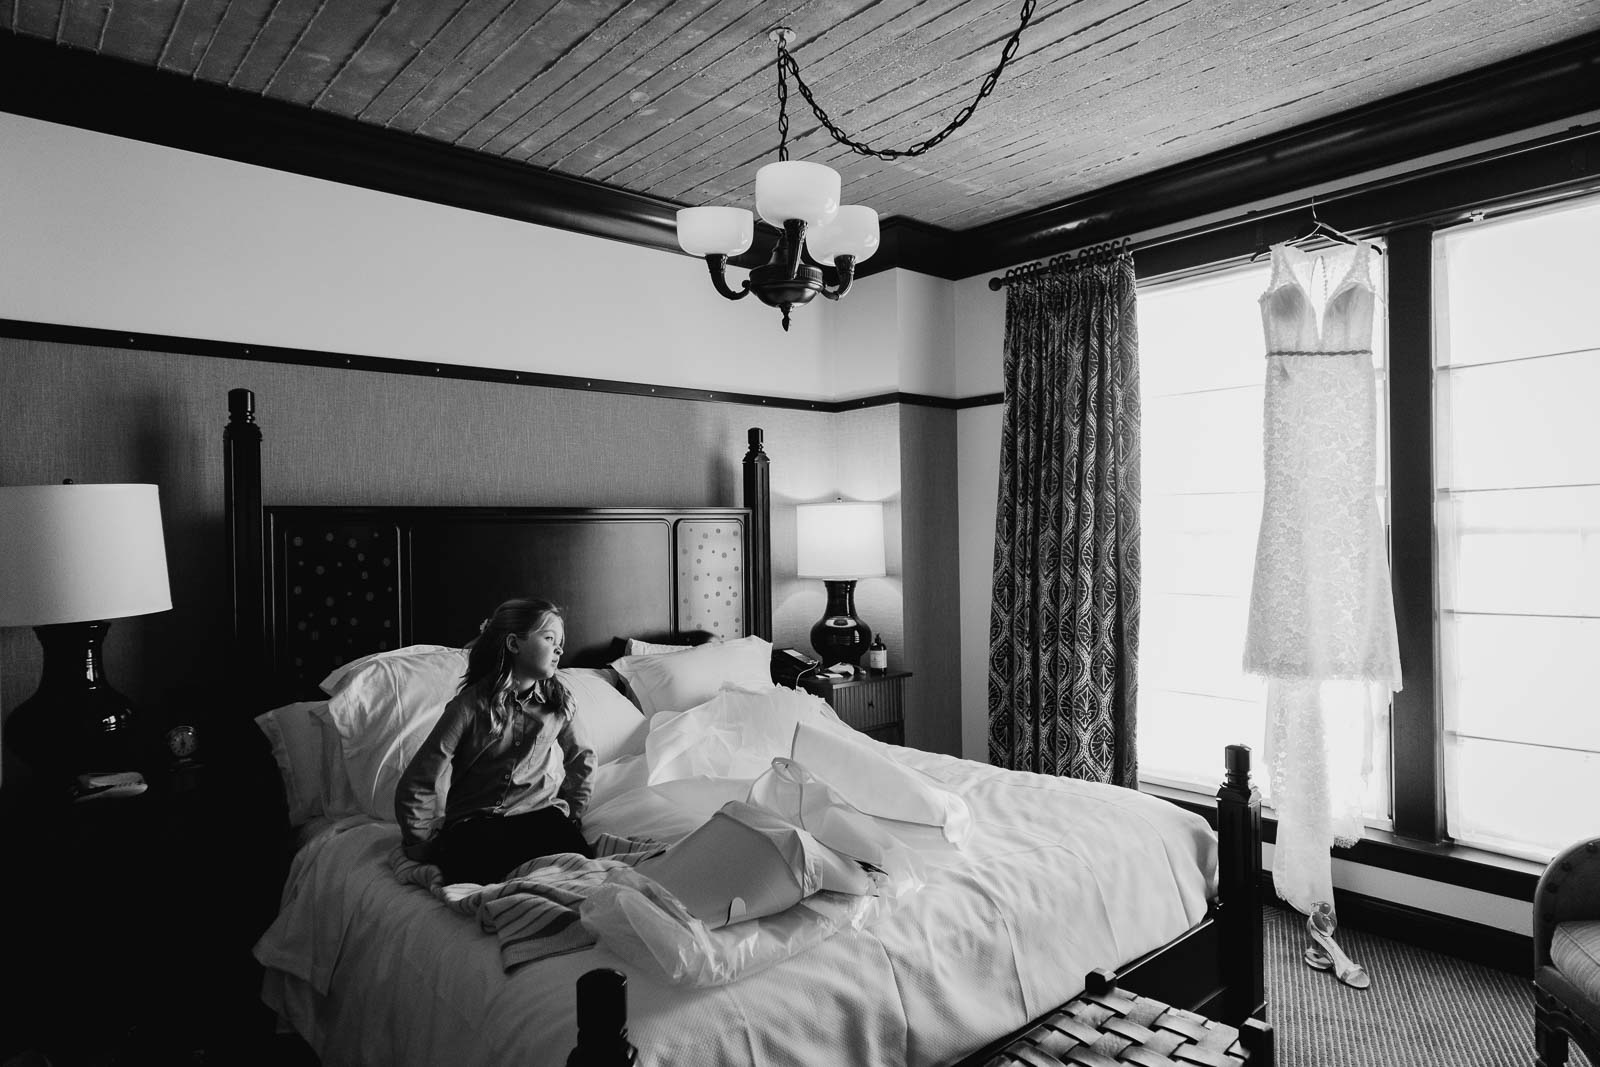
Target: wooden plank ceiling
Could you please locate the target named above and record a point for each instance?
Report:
(678, 99)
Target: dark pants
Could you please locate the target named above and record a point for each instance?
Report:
(486, 848)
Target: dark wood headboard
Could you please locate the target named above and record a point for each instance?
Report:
(314, 587)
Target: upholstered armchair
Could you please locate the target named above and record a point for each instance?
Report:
(1566, 955)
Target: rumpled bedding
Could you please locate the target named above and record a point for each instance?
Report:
(1054, 878)
(759, 882)
(535, 912)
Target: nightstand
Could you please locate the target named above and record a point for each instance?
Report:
(106, 923)
(872, 703)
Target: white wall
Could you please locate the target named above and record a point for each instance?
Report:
(861, 337)
(107, 232)
(892, 333)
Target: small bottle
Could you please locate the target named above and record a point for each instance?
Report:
(877, 656)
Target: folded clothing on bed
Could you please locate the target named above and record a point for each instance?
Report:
(534, 912)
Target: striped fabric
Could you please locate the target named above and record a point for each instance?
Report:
(1575, 951)
(534, 912)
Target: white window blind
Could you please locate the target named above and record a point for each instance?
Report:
(1517, 519)
(1202, 365)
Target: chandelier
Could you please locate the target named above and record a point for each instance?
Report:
(801, 200)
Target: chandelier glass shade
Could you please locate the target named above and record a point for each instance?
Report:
(711, 231)
(790, 189)
(851, 234)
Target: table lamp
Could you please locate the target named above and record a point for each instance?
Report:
(71, 558)
(839, 543)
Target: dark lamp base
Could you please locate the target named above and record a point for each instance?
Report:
(75, 723)
(839, 636)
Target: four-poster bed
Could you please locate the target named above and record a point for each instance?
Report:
(316, 587)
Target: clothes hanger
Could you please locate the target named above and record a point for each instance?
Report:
(1318, 228)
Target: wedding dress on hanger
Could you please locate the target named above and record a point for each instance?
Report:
(1321, 628)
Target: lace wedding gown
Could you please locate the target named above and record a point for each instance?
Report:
(1321, 627)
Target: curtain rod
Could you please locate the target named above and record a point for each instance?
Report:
(1101, 253)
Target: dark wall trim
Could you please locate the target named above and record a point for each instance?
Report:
(1541, 87)
(921, 400)
(75, 88)
(153, 342)
(1417, 753)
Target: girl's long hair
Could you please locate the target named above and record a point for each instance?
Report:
(488, 662)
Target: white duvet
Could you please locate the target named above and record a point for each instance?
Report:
(1054, 878)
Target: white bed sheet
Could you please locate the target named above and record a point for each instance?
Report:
(1059, 877)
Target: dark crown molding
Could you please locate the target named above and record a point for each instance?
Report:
(1507, 98)
(75, 88)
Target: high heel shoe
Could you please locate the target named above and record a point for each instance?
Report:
(1324, 952)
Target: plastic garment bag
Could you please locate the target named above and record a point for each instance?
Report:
(877, 785)
(795, 794)
(746, 862)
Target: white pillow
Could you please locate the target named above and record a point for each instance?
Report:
(385, 707)
(338, 675)
(296, 740)
(635, 647)
(677, 681)
(608, 720)
(338, 796)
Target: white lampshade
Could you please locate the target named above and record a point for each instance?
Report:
(710, 231)
(851, 232)
(80, 553)
(794, 190)
(840, 540)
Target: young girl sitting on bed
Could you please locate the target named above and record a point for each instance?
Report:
(519, 766)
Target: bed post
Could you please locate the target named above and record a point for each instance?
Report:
(1239, 871)
(758, 498)
(241, 457)
(602, 1021)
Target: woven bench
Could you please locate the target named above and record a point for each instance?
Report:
(1106, 1027)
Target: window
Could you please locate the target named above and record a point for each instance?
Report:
(1201, 367)
(1517, 526)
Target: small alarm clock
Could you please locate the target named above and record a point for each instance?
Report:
(182, 742)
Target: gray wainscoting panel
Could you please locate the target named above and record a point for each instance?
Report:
(932, 588)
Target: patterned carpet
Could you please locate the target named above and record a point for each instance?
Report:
(1423, 1010)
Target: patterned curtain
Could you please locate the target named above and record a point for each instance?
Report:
(1064, 628)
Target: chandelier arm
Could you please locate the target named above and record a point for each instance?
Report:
(846, 266)
(793, 246)
(787, 61)
(717, 263)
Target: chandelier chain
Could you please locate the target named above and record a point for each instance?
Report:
(787, 63)
(783, 109)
